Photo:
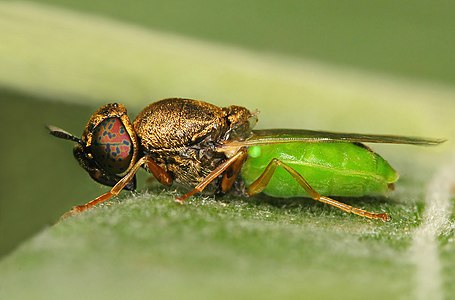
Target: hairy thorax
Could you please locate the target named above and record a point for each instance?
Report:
(182, 135)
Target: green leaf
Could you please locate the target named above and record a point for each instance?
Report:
(149, 246)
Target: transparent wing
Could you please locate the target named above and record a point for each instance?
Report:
(278, 136)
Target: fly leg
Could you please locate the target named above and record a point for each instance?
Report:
(233, 161)
(263, 180)
(231, 173)
(159, 173)
(156, 170)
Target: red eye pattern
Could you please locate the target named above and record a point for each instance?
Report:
(111, 146)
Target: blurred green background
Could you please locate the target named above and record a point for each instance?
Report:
(375, 66)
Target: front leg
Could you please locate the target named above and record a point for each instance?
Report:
(156, 170)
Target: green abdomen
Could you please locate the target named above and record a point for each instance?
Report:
(332, 169)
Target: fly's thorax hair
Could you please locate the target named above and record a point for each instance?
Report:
(176, 122)
(173, 123)
(183, 135)
(188, 166)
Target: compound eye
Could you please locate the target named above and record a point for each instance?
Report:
(111, 146)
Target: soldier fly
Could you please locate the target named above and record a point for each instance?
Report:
(209, 148)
